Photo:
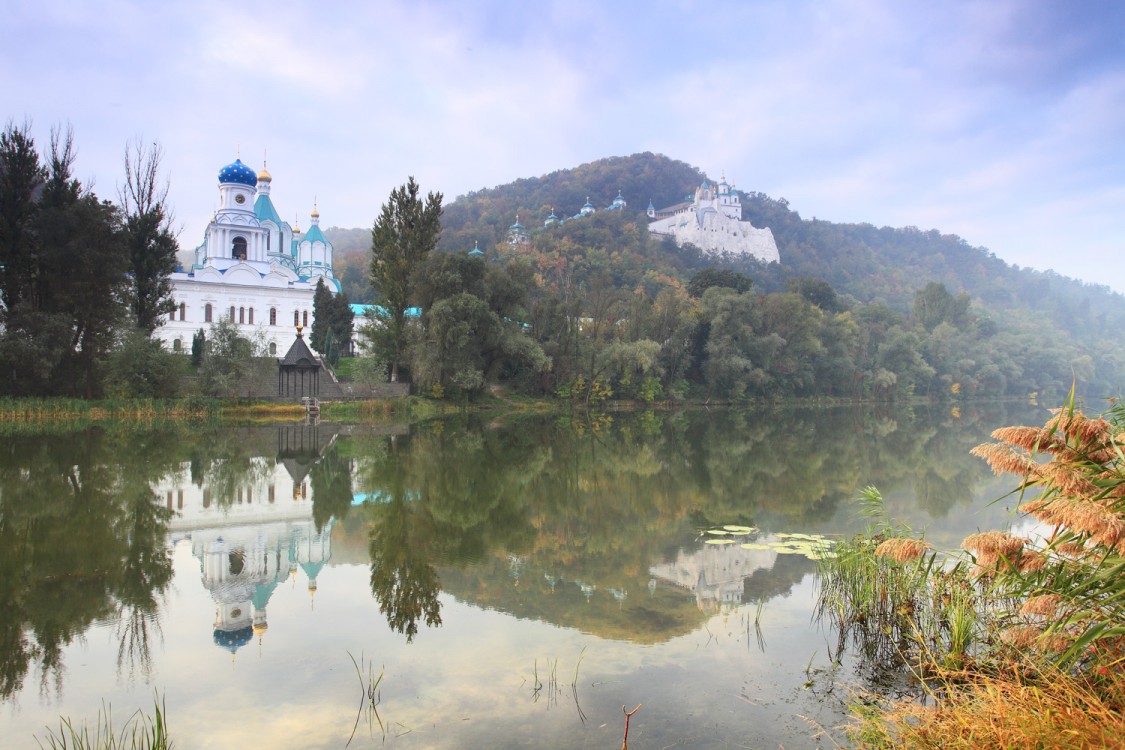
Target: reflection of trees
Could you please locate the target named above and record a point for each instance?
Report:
(331, 479)
(403, 581)
(147, 570)
(228, 461)
(563, 518)
(452, 496)
(81, 540)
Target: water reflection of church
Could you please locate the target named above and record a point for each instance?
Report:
(254, 531)
(715, 574)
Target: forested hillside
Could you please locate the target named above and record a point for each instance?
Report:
(851, 310)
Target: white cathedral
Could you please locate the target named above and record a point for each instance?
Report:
(712, 221)
(252, 269)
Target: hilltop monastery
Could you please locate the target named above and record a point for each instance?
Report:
(712, 221)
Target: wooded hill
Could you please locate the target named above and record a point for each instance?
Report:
(1004, 325)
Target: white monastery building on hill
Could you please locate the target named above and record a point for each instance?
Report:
(252, 269)
(712, 221)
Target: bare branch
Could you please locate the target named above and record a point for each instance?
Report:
(143, 190)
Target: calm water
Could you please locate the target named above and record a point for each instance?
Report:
(510, 584)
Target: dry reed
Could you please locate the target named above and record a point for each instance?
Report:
(1012, 709)
(902, 550)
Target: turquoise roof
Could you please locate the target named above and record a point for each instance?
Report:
(312, 569)
(381, 312)
(314, 235)
(264, 210)
(262, 594)
(238, 173)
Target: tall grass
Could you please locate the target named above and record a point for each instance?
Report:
(21, 414)
(1019, 641)
(140, 732)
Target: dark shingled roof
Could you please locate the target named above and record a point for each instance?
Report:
(299, 355)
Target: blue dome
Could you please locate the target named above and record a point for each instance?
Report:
(239, 173)
(232, 640)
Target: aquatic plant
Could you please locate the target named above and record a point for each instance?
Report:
(1032, 625)
(370, 696)
(1069, 586)
(140, 732)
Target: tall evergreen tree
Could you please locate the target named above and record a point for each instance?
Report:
(321, 325)
(63, 271)
(148, 235)
(332, 323)
(82, 271)
(404, 234)
(22, 177)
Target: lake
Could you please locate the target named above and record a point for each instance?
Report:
(470, 582)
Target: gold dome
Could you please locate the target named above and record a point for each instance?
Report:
(264, 175)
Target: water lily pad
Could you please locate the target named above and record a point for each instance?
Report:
(719, 541)
(755, 545)
(717, 532)
(740, 529)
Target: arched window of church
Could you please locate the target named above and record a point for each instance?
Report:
(183, 311)
(177, 345)
(232, 313)
(207, 313)
(273, 316)
(305, 318)
(273, 349)
(242, 315)
(250, 317)
(238, 250)
(296, 318)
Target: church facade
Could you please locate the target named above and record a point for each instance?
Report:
(712, 221)
(253, 268)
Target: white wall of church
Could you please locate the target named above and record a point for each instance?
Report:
(252, 313)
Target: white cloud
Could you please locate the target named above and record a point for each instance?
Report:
(998, 121)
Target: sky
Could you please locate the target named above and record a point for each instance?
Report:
(1002, 122)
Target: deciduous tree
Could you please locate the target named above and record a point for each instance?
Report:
(148, 235)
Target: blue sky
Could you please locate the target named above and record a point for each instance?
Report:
(1002, 122)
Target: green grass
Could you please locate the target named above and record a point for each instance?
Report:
(140, 732)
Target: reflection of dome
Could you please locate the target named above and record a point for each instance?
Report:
(312, 570)
(238, 173)
(232, 640)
